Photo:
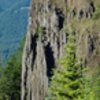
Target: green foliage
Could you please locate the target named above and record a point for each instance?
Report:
(92, 86)
(10, 77)
(66, 83)
(97, 13)
(39, 31)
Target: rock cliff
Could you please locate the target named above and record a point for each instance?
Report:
(49, 23)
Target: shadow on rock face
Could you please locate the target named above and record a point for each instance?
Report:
(49, 60)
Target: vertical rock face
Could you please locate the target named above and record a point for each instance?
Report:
(49, 21)
(43, 47)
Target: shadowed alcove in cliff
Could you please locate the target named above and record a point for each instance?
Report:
(49, 60)
(60, 18)
(33, 47)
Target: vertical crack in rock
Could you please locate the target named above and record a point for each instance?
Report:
(49, 59)
(60, 18)
(33, 47)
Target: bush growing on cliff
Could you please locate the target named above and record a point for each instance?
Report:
(97, 13)
(39, 31)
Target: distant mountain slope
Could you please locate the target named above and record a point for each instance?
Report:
(1, 9)
(5, 4)
(13, 22)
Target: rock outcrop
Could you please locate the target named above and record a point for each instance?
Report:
(49, 23)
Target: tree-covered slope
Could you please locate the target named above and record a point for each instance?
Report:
(13, 25)
(10, 76)
(5, 5)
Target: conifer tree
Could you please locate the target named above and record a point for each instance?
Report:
(66, 84)
(10, 77)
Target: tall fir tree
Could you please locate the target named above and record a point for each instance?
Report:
(66, 84)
